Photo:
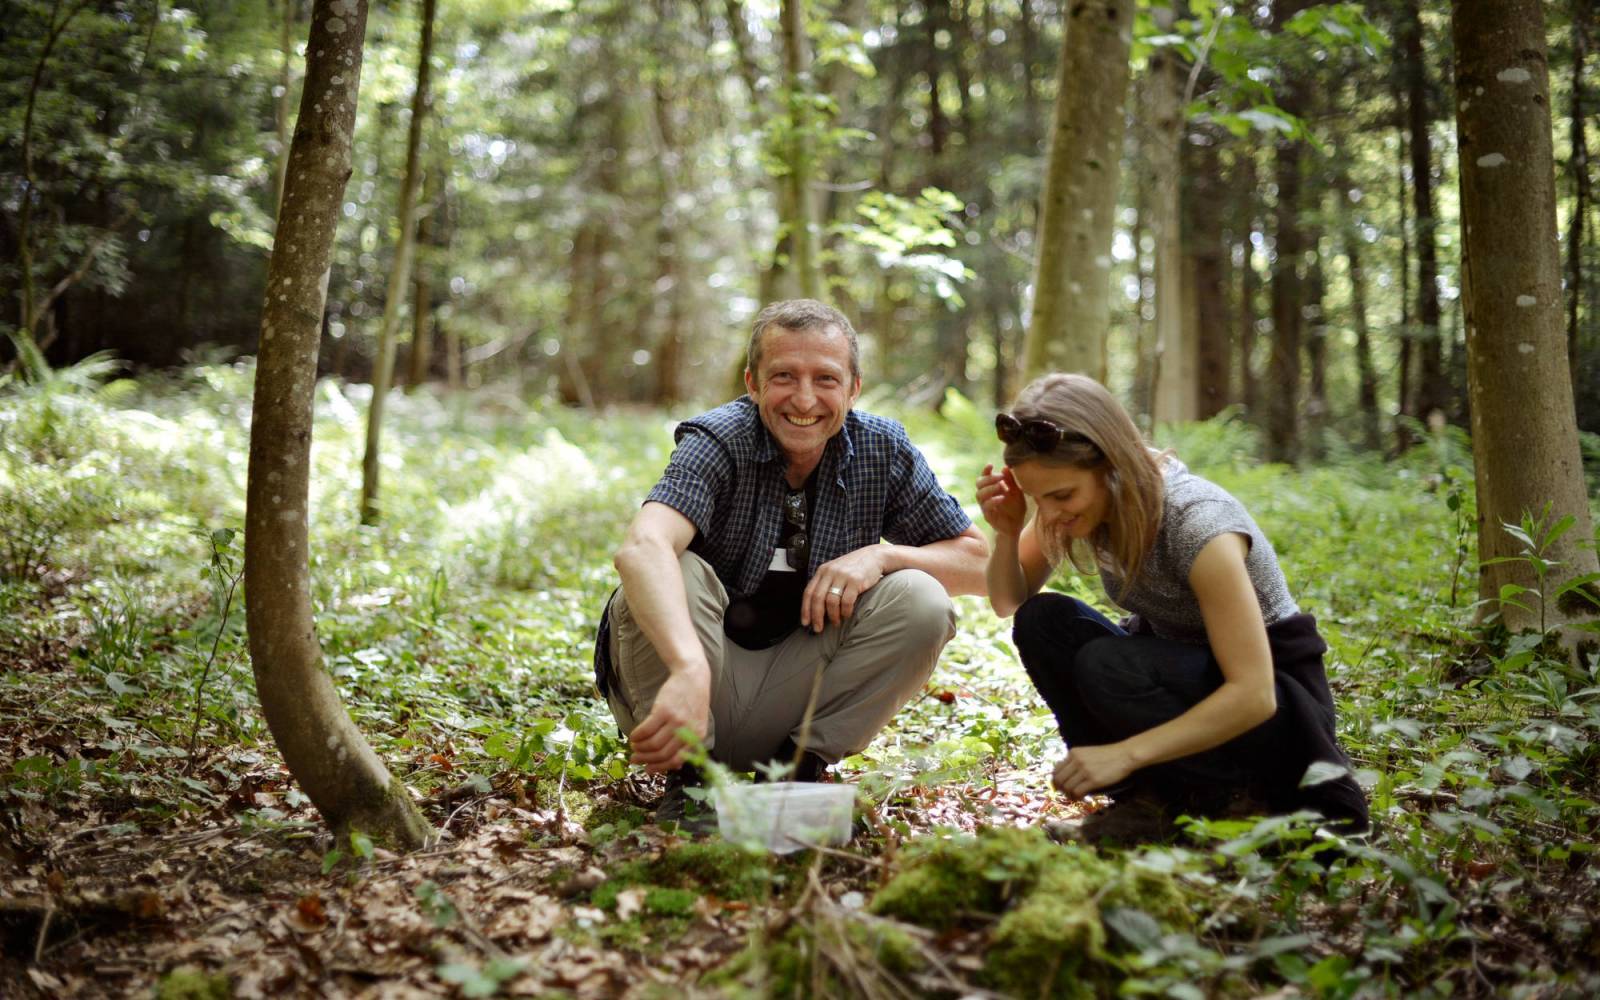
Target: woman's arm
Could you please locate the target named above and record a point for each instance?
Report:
(1017, 566)
(1247, 697)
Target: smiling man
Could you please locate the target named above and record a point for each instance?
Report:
(786, 584)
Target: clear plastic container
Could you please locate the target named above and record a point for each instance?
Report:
(785, 816)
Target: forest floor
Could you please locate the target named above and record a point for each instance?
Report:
(151, 840)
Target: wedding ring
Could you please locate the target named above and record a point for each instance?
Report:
(835, 591)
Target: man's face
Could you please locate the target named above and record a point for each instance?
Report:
(804, 389)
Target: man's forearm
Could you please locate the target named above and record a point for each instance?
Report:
(653, 583)
(958, 563)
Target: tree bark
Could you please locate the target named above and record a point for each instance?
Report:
(420, 360)
(281, 108)
(399, 275)
(1371, 425)
(1206, 249)
(1432, 387)
(1072, 273)
(796, 201)
(323, 749)
(1161, 119)
(1404, 395)
(1249, 285)
(1524, 433)
(1316, 410)
(1583, 12)
(1288, 292)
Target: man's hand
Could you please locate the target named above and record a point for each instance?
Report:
(1002, 502)
(1089, 768)
(831, 595)
(684, 702)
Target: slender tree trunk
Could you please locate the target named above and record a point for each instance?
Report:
(1207, 250)
(323, 749)
(1583, 13)
(1316, 360)
(1404, 389)
(1288, 287)
(672, 239)
(1030, 62)
(1161, 91)
(420, 360)
(1371, 426)
(798, 203)
(286, 51)
(1072, 276)
(399, 275)
(23, 337)
(1524, 433)
(1147, 362)
(1249, 286)
(1432, 387)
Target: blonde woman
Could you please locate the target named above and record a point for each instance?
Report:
(1211, 698)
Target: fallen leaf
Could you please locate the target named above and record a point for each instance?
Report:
(629, 902)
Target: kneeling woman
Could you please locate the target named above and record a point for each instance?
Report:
(1212, 697)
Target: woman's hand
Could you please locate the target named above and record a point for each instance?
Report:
(1002, 502)
(1087, 769)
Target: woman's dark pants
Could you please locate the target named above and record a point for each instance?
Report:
(1105, 685)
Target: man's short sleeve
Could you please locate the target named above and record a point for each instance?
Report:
(696, 478)
(919, 511)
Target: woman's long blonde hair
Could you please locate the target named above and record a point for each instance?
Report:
(1110, 444)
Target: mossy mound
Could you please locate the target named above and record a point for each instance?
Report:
(1067, 914)
(942, 881)
(710, 868)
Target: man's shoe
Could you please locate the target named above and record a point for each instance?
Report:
(1127, 822)
(679, 809)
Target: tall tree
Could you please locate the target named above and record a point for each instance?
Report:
(1366, 369)
(1243, 179)
(1583, 15)
(1161, 131)
(1433, 388)
(797, 203)
(281, 105)
(1072, 269)
(1206, 248)
(399, 273)
(1288, 285)
(1524, 432)
(325, 752)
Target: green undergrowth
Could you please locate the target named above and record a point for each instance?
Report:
(458, 632)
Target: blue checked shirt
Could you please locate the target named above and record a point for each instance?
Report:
(727, 477)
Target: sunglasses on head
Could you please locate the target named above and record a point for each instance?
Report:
(1041, 435)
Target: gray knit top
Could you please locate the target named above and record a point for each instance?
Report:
(1195, 511)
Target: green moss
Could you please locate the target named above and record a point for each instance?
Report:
(189, 983)
(670, 902)
(821, 957)
(943, 880)
(611, 820)
(1052, 938)
(715, 867)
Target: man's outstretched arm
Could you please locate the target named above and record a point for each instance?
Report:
(647, 562)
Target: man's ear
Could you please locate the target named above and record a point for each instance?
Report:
(749, 383)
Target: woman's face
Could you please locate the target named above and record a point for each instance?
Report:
(1072, 501)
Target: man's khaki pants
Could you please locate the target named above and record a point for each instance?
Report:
(871, 665)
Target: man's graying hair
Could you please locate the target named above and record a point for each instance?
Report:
(801, 314)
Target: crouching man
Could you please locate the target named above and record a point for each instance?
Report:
(795, 553)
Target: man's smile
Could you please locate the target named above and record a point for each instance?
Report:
(801, 421)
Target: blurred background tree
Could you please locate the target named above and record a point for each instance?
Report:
(612, 189)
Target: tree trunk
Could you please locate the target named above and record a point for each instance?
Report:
(796, 201)
(1206, 249)
(1432, 388)
(1316, 359)
(1072, 275)
(1583, 13)
(1524, 433)
(1288, 293)
(1249, 286)
(1030, 60)
(1371, 426)
(1161, 117)
(1405, 397)
(399, 275)
(421, 358)
(323, 749)
(281, 108)
(672, 238)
